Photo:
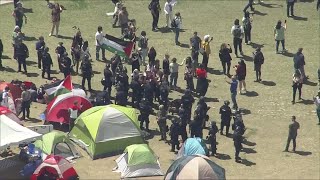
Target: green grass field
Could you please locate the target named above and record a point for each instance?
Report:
(268, 105)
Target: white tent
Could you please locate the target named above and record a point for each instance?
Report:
(13, 133)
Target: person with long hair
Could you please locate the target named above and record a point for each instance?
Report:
(152, 55)
(202, 82)
(225, 58)
(297, 81)
(241, 71)
(278, 33)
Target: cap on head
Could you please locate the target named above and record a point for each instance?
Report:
(206, 37)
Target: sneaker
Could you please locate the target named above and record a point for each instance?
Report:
(50, 35)
(249, 42)
(284, 50)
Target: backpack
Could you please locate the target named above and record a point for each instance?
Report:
(237, 32)
(247, 24)
(143, 42)
(173, 23)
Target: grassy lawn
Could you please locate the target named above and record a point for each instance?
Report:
(268, 105)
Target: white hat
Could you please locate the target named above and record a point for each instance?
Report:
(206, 37)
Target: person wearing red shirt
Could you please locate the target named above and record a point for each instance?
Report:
(202, 82)
(241, 72)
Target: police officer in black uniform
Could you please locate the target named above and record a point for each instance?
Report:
(196, 126)
(107, 79)
(136, 91)
(164, 92)
(86, 69)
(148, 92)
(174, 135)
(212, 138)
(202, 107)
(162, 122)
(293, 132)
(21, 54)
(183, 122)
(66, 65)
(46, 62)
(145, 111)
(237, 142)
(187, 99)
(226, 113)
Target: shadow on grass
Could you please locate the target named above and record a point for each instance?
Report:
(27, 38)
(27, 10)
(64, 37)
(306, 102)
(268, 83)
(5, 57)
(223, 156)
(288, 54)
(209, 99)
(183, 45)
(247, 162)
(165, 30)
(258, 13)
(310, 83)
(246, 58)
(255, 45)
(249, 143)
(32, 74)
(303, 153)
(30, 63)
(54, 72)
(8, 69)
(298, 18)
(270, 5)
(96, 72)
(244, 111)
(214, 71)
(249, 150)
(251, 94)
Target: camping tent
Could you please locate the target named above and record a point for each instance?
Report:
(193, 146)
(195, 167)
(57, 109)
(55, 167)
(56, 143)
(13, 133)
(138, 160)
(6, 112)
(105, 130)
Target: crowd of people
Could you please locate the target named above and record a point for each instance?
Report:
(151, 80)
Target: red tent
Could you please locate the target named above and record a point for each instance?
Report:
(57, 109)
(5, 111)
(14, 90)
(54, 167)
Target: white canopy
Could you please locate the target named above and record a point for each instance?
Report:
(13, 133)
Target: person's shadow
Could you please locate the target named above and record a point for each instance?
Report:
(247, 162)
(303, 153)
(298, 18)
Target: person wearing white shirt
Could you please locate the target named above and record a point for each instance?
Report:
(99, 41)
(168, 9)
(5, 97)
(237, 31)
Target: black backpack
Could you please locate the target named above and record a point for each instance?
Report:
(173, 23)
(237, 32)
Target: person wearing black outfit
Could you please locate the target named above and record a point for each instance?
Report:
(202, 108)
(237, 142)
(212, 138)
(18, 15)
(297, 82)
(183, 116)
(102, 98)
(86, 69)
(225, 112)
(188, 74)
(162, 122)
(135, 61)
(164, 92)
(155, 9)
(66, 64)
(152, 55)
(293, 132)
(145, 110)
(1, 51)
(166, 66)
(250, 4)
(107, 79)
(121, 97)
(318, 5)
(136, 91)
(195, 44)
(46, 63)
(174, 135)
(60, 51)
(195, 126)
(247, 26)
(258, 60)
(225, 58)
(187, 99)
(148, 91)
(40, 45)
(21, 53)
(290, 5)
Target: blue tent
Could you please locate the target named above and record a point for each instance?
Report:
(193, 146)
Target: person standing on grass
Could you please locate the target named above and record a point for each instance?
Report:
(250, 4)
(18, 15)
(233, 91)
(317, 102)
(247, 26)
(60, 51)
(225, 112)
(55, 17)
(202, 81)
(152, 55)
(66, 65)
(207, 50)
(25, 102)
(237, 31)
(290, 5)
(176, 24)
(225, 58)
(188, 74)
(99, 42)
(143, 44)
(174, 71)
(123, 17)
(278, 33)
(293, 132)
(21, 53)
(40, 45)
(318, 5)
(299, 63)
(155, 9)
(168, 9)
(241, 71)
(46, 63)
(166, 65)
(297, 82)
(1, 51)
(258, 60)
(87, 73)
(195, 44)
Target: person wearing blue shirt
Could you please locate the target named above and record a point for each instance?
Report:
(233, 90)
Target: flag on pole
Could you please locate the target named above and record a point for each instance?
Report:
(53, 90)
(117, 46)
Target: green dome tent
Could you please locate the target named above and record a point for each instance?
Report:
(56, 143)
(106, 130)
(138, 160)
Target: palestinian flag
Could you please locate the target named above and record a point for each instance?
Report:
(58, 88)
(117, 46)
